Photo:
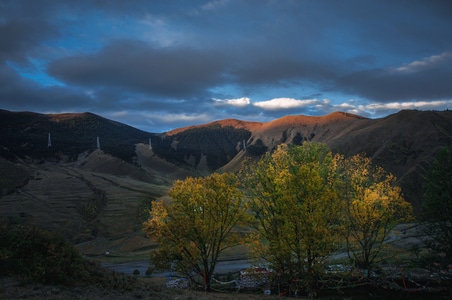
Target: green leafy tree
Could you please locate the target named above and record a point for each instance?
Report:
(197, 225)
(295, 200)
(374, 206)
(437, 203)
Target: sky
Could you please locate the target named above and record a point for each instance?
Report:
(161, 65)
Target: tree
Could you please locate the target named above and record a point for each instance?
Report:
(295, 200)
(197, 226)
(437, 203)
(374, 206)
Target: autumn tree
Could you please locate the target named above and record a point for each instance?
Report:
(197, 225)
(295, 200)
(374, 206)
(437, 203)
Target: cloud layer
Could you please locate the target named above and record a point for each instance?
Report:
(159, 65)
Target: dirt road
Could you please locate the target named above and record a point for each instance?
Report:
(223, 267)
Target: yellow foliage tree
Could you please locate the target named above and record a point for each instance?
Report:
(374, 206)
(294, 196)
(197, 225)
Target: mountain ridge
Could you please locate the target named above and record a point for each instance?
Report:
(94, 196)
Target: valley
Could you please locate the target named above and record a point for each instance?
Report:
(98, 198)
(97, 201)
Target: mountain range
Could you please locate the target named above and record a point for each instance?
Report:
(93, 179)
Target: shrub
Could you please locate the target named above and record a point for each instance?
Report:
(37, 255)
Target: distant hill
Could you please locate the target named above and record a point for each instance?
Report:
(25, 134)
(98, 198)
(403, 143)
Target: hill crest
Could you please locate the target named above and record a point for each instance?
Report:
(58, 184)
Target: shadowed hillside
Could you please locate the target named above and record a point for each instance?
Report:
(403, 143)
(98, 198)
(206, 148)
(25, 135)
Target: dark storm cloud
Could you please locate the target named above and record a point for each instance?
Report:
(170, 72)
(180, 72)
(19, 93)
(420, 80)
(19, 37)
(276, 71)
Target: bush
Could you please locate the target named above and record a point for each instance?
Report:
(37, 255)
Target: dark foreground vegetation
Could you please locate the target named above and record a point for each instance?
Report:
(37, 264)
(31, 255)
